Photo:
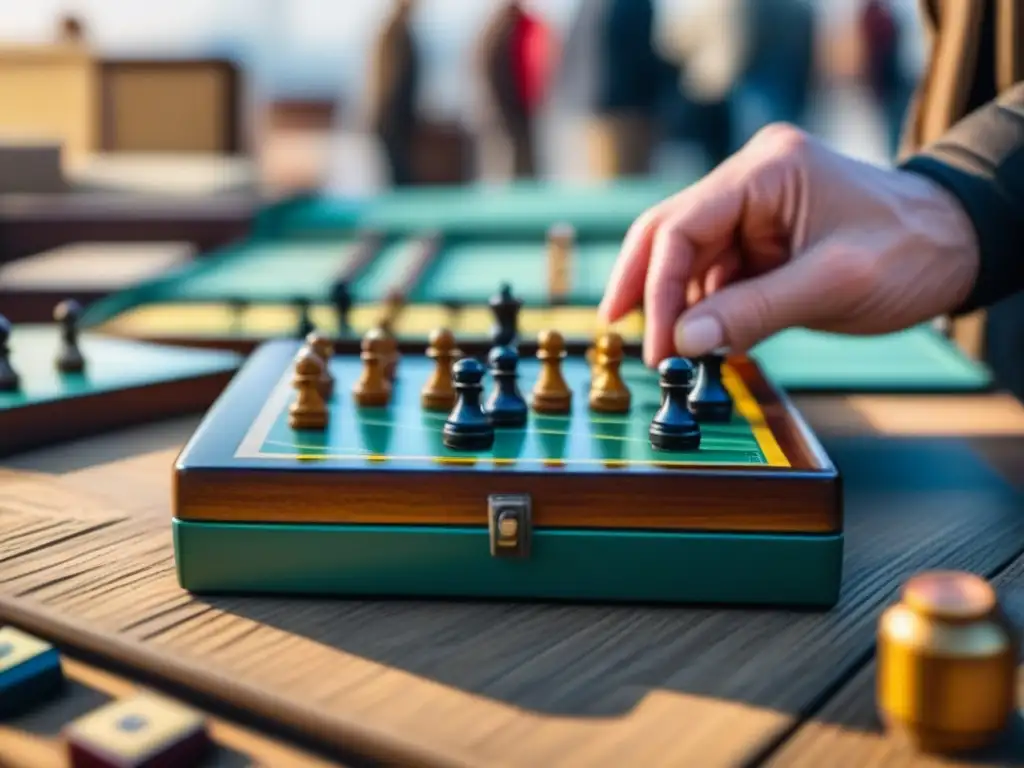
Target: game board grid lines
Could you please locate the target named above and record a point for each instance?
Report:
(269, 437)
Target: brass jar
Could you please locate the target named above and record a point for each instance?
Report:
(947, 659)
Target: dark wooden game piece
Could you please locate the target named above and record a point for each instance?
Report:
(305, 326)
(673, 427)
(341, 300)
(438, 393)
(373, 388)
(142, 731)
(505, 307)
(309, 410)
(467, 427)
(30, 672)
(9, 379)
(505, 407)
(608, 392)
(551, 395)
(322, 347)
(69, 359)
(236, 309)
(710, 400)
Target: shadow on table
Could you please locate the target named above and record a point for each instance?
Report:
(912, 504)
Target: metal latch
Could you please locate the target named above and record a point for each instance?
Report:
(510, 522)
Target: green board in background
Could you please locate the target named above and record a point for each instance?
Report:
(521, 208)
(111, 365)
(917, 360)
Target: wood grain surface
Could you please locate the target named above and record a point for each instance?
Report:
(470, 684)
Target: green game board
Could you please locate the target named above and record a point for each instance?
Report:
(247, 484)
(523, 208)
(124, 383)
(410, 437)
(112, 365)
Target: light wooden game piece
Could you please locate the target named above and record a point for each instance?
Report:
(30, 671)
(69, 359)
(561, 239)
(551, 395)
(9, 379)
(608, 392)
(373, 388)
(390, 354)
(309, 410)
(947, 663)
(324, 349)
(140, 731)
(438, 393)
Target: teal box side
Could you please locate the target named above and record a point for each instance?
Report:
(573, 565)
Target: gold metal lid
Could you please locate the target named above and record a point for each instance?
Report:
(950, 596)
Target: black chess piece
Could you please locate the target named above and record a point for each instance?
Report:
(69, 359)
(673, 427)
(709, 400)
(506, 406)
(505, 308)
(305, 325)
(467, 427)
(9, 379)
(341, 299)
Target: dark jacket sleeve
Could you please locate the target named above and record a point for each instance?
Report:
(981, 162)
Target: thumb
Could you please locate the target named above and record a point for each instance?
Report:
(747, 312)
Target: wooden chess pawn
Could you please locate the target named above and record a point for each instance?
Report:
(309, 410)
(551, 395)
(322, 347)
(947, 663)
(608, 392)
(390, 354)
(69, 359)
(438, 393)
(373, 388)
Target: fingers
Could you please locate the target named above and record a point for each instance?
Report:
(625, 286)
(696, 203)
(744, 313)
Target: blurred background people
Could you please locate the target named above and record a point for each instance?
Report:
(393, 89)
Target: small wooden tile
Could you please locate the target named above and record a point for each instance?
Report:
(30, 671)
(145, 730)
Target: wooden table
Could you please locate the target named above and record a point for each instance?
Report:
(34, 223)
(85, 272)
(929, 483)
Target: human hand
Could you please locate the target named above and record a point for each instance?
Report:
(788, 233)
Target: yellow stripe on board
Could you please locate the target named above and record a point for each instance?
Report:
(746, 405)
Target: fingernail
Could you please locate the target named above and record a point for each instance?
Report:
(699, 336)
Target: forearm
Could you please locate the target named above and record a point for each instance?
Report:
(981, 162)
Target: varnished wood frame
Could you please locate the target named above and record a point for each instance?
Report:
(48, 422)
(211, 484)
(232, 141)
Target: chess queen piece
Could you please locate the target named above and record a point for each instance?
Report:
(66, 315)
(947, 658)
(505, 307)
